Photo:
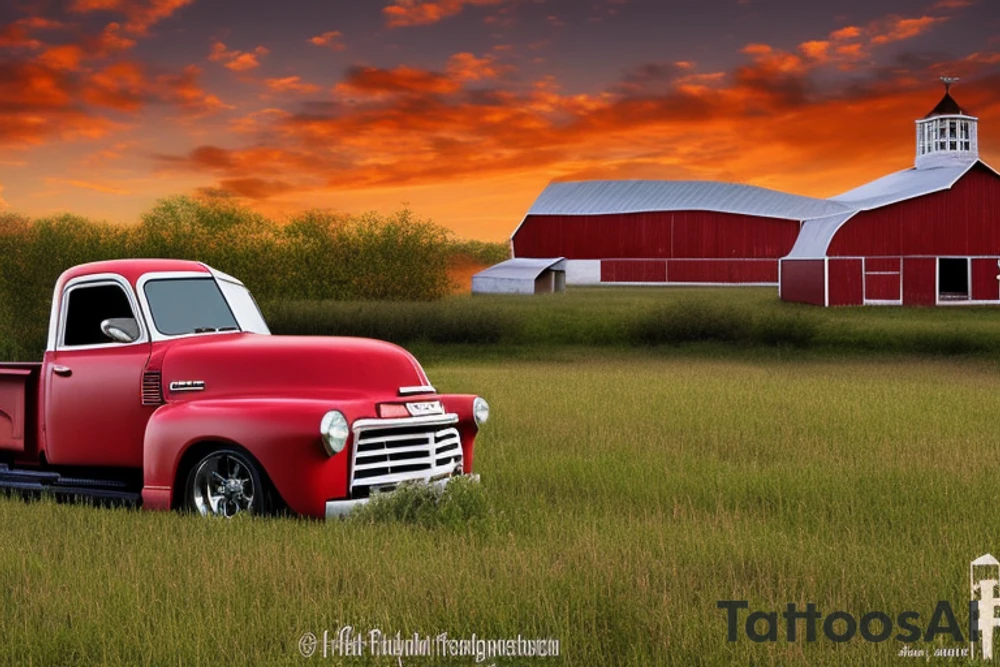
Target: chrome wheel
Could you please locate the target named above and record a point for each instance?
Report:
(224, 483)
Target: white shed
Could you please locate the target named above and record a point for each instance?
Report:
(522, 275)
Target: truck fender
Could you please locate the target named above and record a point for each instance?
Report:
(461, 405)
(281, 434)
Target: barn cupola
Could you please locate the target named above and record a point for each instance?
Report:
(948, 135)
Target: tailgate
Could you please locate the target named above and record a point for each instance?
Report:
(18, 406)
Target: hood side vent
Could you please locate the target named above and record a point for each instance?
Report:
(152, 388)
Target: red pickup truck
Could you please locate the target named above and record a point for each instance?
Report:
(162, 386)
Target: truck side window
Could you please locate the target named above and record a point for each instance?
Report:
(88, 307)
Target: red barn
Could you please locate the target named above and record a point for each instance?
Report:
(660, 232)
(925, 236)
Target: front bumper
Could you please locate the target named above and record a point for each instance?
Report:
(337, 509)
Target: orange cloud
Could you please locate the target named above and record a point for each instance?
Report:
(896, 28)
(13, 36)
(184, 91)
(849, 32)
(332, 40)
(19, 34)
(851, 50)
(64, 57)
(402, 79)
(83, 6)
(403, 13)
(112, 41)
(467, 67)
(238, 61)
(816, 49)
(290, 84)
(771, 61)
(140, 15)
(121, 86)
(699, 79)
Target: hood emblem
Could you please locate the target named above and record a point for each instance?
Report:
(424, 409)
(187, 385)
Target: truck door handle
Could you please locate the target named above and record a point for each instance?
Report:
(64, 371)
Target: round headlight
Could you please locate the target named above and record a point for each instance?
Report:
(480, 410)
(335, 431)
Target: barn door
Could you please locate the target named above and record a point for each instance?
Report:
(883, 281)
(985, 285)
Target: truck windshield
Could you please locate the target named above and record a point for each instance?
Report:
(244, 307)
(188, 305)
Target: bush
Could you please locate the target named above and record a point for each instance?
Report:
(479, 252)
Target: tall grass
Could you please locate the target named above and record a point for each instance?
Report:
(315, 255)
(623, 496)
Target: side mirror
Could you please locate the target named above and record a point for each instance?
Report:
(121, 329)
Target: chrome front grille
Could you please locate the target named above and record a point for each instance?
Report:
(390, 451)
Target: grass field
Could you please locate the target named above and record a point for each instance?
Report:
(626, 492)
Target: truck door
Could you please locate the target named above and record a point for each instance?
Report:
(93, 410)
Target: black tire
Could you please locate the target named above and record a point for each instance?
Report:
(226, 482)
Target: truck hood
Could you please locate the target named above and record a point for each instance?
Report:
(251, 365)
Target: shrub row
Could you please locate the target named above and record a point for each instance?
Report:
(489, 321)
(315, 255)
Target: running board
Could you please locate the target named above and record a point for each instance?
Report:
(52, 483)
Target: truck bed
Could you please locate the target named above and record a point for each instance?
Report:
(19, 406)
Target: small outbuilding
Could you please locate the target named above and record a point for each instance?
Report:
(522, 275)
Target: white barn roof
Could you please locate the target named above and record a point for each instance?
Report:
(515, 276)
(608, 197)
(522, 268)
(815, 236)
(903, 185)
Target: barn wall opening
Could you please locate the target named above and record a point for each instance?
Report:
(953, 279)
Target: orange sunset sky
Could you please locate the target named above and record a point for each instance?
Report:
(466, 109)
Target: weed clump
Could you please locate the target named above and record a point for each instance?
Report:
(456, 506)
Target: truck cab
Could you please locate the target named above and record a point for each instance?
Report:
(161, 385)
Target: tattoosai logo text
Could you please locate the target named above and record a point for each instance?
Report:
(797, 623)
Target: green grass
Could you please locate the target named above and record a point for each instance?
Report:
(623, 494)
